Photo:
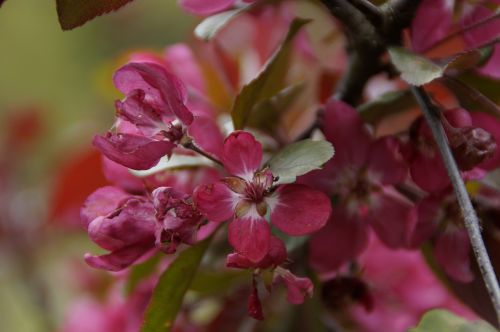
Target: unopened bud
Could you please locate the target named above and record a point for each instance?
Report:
(471, 146)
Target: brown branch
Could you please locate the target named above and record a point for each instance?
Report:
(469, 215)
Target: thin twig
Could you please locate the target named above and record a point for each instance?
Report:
(191, 146)
(471, 220)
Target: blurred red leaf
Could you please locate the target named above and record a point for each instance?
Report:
(77, 178)
(73, 13)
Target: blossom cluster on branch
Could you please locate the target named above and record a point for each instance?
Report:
(241, 136)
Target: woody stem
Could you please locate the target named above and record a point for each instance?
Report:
(471, 220)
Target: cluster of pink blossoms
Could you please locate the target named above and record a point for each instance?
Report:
(380, 195)
(153, 121)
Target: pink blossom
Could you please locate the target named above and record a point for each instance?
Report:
(120, 176)
(178, 219)
(132, 151)
(481, 35)
(146, 132)
(473, 147)
(440, 221)
(360, 177)
(274, 257)
(249, 194)
(403, 288)
(114, 314)
(121, 223)
(297, 288)
(203, 7)
(432, 22)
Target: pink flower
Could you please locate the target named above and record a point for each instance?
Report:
(360, 177)
(178, 219)
(297, 287)
(160, 90)
(121, 223)
(439, 220)
(274, 257)
(473, 139)
(432, 22)
(248, 195)
(403, 287)
(145, 128)
(204, 8)
(132, 151)
(484, 34)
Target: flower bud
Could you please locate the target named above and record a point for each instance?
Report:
(471, 146)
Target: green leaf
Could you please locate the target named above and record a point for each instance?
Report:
(266, 114)
(209, 27)
(300, 158)
(169, 292)
(441, 320)
(73, 13)
(141, 271)
(415, 70)
(389, 103)
(269, 82)
(217, 282)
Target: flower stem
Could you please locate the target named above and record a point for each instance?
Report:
(191, 146)
(471, 220)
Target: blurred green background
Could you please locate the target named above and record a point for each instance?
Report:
(66, 78)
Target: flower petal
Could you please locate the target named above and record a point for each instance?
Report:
(204, 7)
(275, 256)
(163, 91)
(428, 172)
(207, 135)
(117, 260)
(297, 209)
(341, 240)
(297, 288)
(101, 202)
(393, 218)
(120, 176)
(242, 154)
(344, 128)
(136, 111)
(452, 251)
(385, 161)
(432, 22)
(132, 151)
(216, 201)
(427, 220)
(250, 236)
(134, 224)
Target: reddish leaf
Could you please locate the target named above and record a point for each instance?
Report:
(77, 178)
(73, 13)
